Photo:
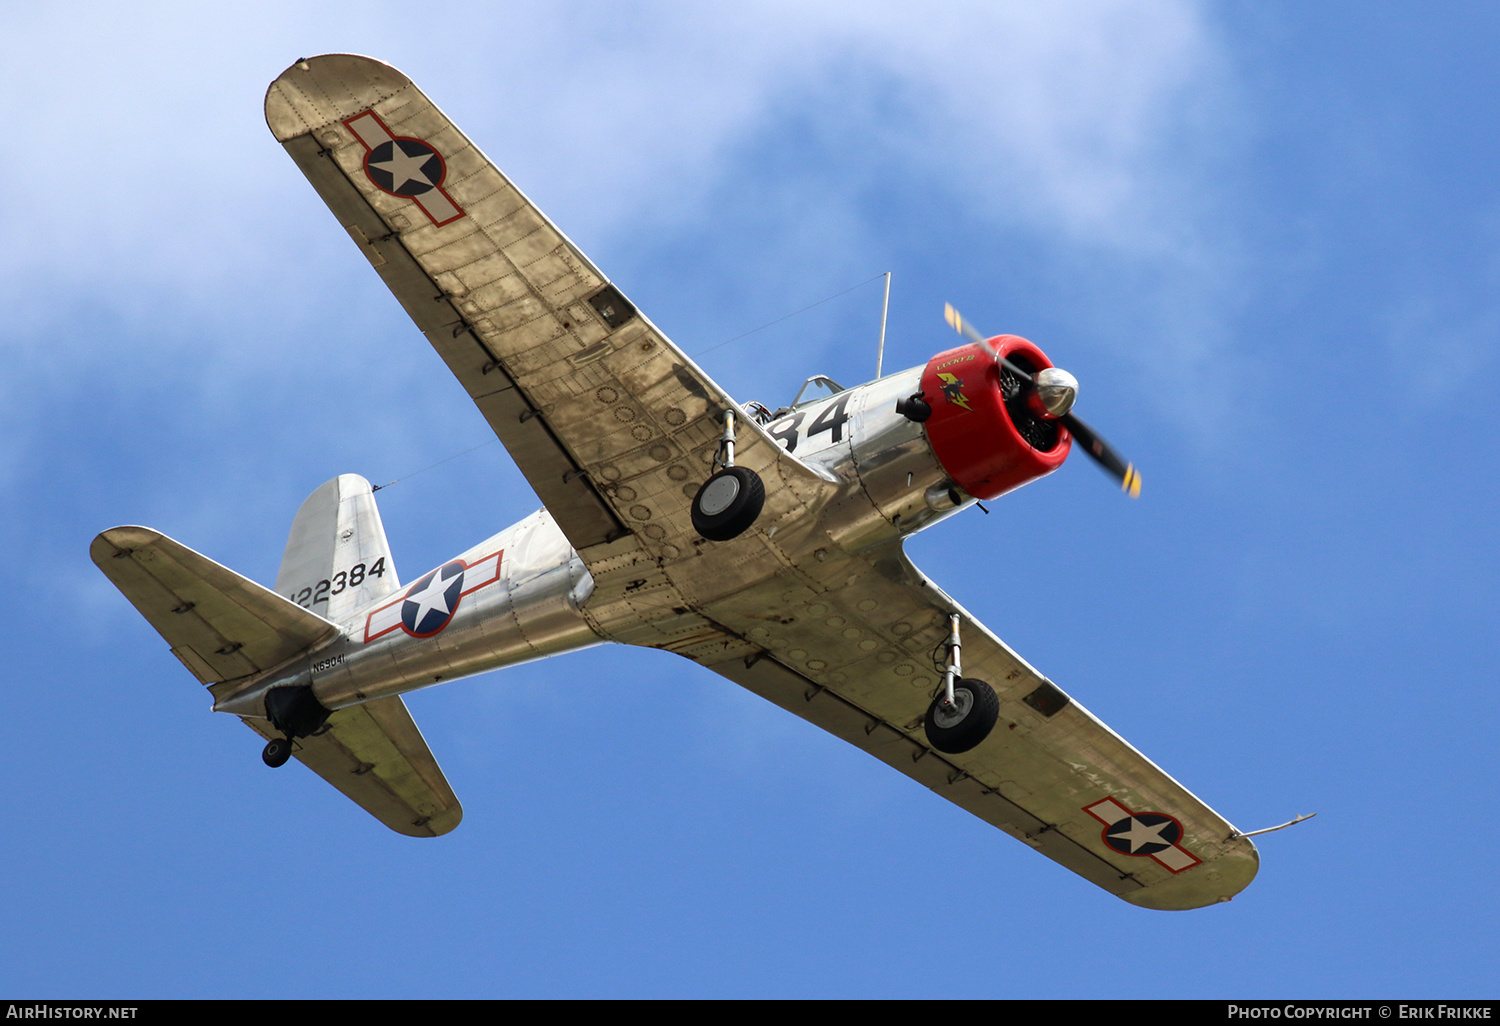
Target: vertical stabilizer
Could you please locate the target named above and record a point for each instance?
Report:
(337, 559)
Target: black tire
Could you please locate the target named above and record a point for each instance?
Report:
(976, 710)
(277, 752)
(733, 497)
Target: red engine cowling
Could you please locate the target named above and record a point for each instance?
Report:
(984, 433)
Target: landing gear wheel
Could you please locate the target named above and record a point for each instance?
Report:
(961, 726)
(728, 503)
(277, 752)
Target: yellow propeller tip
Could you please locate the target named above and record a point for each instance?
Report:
(1132, 482)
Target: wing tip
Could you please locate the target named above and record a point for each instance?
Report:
(1215, 882)
(311, 92)
(121, 541)
(447, 822)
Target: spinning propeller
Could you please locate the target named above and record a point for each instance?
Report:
(1054, 390)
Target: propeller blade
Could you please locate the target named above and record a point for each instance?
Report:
(957, 323)
(1104, 455)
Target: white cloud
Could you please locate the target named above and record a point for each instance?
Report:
(153, 151)
(142, 182)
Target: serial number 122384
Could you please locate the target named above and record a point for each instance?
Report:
(344, 579)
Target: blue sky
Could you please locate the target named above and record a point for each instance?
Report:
(1264, 237)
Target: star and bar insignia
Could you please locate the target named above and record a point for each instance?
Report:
(1143, 833)
(428, 606)
(405, 167)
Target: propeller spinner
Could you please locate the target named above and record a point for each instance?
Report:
(1053, 392)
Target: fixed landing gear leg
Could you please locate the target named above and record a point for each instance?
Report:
(729, 501)
(966, 711)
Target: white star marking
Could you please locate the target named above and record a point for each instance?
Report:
(430, 598)
(1139, 834)
(404, 169)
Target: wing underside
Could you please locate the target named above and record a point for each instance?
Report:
(854, 652)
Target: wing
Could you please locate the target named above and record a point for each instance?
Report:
(851, 649)
(610, 422)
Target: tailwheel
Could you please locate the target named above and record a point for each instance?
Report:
(968, 720)
(728, 503)
(277, 752)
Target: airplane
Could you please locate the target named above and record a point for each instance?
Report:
(764, 545)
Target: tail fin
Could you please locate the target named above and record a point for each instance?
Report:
(337, 559)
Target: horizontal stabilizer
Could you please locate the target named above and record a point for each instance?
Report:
(219, 624)
(375, 754)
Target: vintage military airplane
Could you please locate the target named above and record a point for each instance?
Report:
(766, 546)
